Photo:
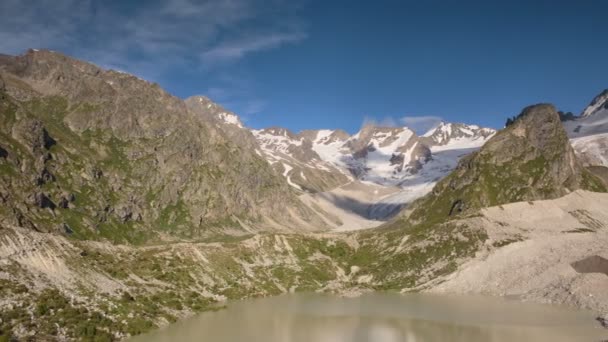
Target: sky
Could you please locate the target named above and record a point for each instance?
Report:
(337, 64)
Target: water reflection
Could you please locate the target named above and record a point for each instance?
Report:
(386, 318)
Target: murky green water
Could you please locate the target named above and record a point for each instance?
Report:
(386, 318)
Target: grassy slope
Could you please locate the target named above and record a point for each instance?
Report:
(155, 285)
(75, 161)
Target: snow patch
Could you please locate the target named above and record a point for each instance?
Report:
(230, 119)
(288, 169)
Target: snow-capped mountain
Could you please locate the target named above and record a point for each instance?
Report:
(447, 143)
(592, 150)
(315, 161)
(387, 156)
(589, 132)
(598, 103)
(449, 133)
(594, 120)
(396, 159)
(294, 156)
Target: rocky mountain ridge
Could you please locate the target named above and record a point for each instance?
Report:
(94, 152)
(383, 155)
(445, 133)
(404, 165)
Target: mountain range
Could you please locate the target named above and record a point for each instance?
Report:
(396, 157)
(124, 208)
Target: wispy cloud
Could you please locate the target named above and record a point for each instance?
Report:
(420, 124)
(383, 122)
(160, 34)
(207, 37)
(237, 93)
(43, 23)
(254, 106)
(231, 50)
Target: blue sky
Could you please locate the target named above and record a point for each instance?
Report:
(337, 64)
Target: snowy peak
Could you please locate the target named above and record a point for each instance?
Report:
(383, 155)
(593, 120)
(383, 137)
(446, 133)
(296, 158)
(278, 132)
(598, 103)
(588, 133)
(325, 136)
(204, 106)
(277, 139)
(322, 160)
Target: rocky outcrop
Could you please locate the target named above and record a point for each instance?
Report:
(31, 133)
(223, 120)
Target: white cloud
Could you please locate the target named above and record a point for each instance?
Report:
(207, 37)
(254, 106)
(384, 122)
(229, 51)
(419, 124)
(42, 24)
(150, 38)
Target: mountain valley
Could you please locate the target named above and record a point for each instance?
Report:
(125, 208)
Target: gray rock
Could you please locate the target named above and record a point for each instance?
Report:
(32, 134)
(41, 200)
(64, 228)
(63, 203)
(45, 177)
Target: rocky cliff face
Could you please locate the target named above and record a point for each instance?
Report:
(529, 160)
(97, 153)
(222, 120)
